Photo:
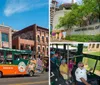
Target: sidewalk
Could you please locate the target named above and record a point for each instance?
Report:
(57, 40)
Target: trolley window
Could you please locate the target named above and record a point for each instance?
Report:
(9, 59)
(89, 63)
(25, 56)
(2, 60)
(17, 56)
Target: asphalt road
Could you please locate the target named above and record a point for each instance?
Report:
(37, 79)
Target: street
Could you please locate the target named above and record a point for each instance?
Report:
(37, 79)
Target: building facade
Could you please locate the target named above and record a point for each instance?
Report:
(35, 37)
(55, 13)
(5, 36)
(53, 8)
(94, 47)
(90, 25)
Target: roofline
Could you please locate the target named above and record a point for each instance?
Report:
(9, 49)
(30, 26)
(43, 28)
(6, 26)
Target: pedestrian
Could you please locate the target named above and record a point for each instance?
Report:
(60, 35)
(64, 35)
(53, 35)
(39, 65)
(81, 76)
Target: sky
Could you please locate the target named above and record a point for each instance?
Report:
(22, 13)
(67, 1)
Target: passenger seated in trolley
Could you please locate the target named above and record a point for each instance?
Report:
(64, 70)
(81, 75)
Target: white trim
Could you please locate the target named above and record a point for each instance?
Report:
(49, 42)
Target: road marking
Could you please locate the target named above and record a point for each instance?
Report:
(41, 82)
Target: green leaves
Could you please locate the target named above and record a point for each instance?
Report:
(80, 13)
(84, 38)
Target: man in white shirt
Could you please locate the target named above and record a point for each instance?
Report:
(81, 76)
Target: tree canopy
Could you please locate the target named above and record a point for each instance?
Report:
(88, 10)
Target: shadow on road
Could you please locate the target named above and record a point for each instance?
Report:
(19, 76)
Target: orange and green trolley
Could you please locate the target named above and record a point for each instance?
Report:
(15, 62)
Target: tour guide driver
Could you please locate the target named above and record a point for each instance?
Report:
(81, 76)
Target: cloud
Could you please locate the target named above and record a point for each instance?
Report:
(17, 6)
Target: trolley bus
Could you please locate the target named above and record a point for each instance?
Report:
(15, 62)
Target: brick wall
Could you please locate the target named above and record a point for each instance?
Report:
(31, 33)
(7, 30)
(17, 42)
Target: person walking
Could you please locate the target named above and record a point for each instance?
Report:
(60, 35)
(39, 64)
(64, 35)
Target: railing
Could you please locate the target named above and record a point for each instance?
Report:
(97, 58)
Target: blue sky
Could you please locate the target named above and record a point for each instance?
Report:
(21, 13)
(67, 1)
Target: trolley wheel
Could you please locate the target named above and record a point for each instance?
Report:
(31, 73)
(1, 74)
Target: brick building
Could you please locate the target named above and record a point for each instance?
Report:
(35, 37)
(5, 36)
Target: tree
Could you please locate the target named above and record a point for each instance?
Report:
(86, 12)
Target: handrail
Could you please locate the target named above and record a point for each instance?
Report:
(92, 56)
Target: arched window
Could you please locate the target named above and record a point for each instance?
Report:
(47, 51)
(38, 48)
(38, 38)
(47, 39)
(93, 45)
(43, 49)
(97, 45)
(42, 38)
